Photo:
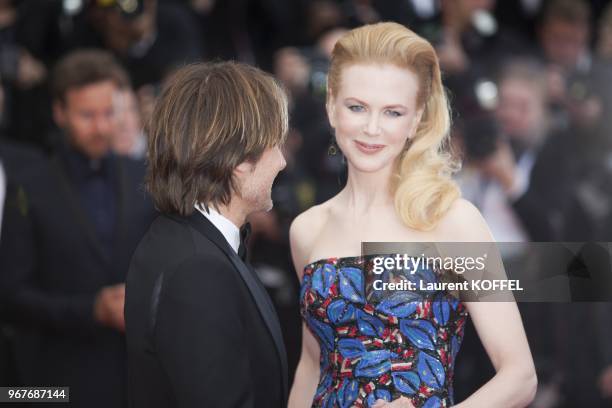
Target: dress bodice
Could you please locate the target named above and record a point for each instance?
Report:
(380, 344)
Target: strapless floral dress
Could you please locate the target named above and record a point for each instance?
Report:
(380, 344)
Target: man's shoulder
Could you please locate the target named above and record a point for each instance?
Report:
(169, 234)
(17, 157)
(175, 238)
(134, 183)
(198, 271)
(170, 247)
(134, 168)
(38, 181)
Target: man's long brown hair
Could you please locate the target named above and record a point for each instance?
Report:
(210, 118)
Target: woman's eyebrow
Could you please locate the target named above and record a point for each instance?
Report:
(352, 98)
(396, 106)
(391, 106)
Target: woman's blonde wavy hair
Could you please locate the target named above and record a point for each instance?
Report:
(422, 185)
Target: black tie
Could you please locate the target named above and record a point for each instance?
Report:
(245, 232)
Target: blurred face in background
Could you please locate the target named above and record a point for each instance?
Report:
(87, 116)
(474, 5)
(374, 112)
(564, 42)
(292, 69)
(120, 32)
(604, 44)
(462, 10)
(128, 121)
(521, 110)
(327, 42)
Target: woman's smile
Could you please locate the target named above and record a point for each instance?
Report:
(369, 148)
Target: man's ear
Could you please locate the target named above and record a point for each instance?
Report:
(244, 168)
(330, 107)
(239, 175)
(59, 113)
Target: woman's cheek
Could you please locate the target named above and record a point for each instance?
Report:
(347, 125)
(398, 132)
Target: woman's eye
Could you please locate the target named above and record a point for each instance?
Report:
(356, 108)
(393, 113)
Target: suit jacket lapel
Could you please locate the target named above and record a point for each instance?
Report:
(263, 302)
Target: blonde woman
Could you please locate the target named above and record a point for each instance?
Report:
(389, 111)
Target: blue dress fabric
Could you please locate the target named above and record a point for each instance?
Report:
(380, 344)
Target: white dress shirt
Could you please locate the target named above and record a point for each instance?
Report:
(494, 204)
(230, 231)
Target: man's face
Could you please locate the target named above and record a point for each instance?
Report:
(521, 111)
(128, 121)
(463, 10)
(471, 6)
(121, 32)
(563, 42)
(87, 117)
(256, 179)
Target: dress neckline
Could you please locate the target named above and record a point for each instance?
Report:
(335, 258)
(346, 258)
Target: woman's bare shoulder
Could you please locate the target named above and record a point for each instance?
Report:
(304, 231)
(463, 222)
(306, 225)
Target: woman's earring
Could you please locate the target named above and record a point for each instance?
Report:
(408, 143)
(332, 150)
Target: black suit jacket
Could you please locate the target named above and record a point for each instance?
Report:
(551, 182)
(17, 158)
(201, 330)
(52, 266)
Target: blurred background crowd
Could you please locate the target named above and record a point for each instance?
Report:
(530, 85)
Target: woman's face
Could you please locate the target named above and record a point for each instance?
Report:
(374, 112)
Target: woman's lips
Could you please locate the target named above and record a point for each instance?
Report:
(368, 148)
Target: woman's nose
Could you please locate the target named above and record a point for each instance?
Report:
(373, 126)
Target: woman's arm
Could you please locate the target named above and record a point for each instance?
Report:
(307, 373)
(501, 332)
(499, 328)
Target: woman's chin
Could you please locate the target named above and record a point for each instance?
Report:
(369, 165)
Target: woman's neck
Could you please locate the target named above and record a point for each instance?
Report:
(365, 192)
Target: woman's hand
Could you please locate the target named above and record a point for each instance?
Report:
(401, 402)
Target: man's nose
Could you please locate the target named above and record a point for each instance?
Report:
(103, 125)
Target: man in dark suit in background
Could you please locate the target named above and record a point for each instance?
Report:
(16, 160)
(201, 330)
(69, 232)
